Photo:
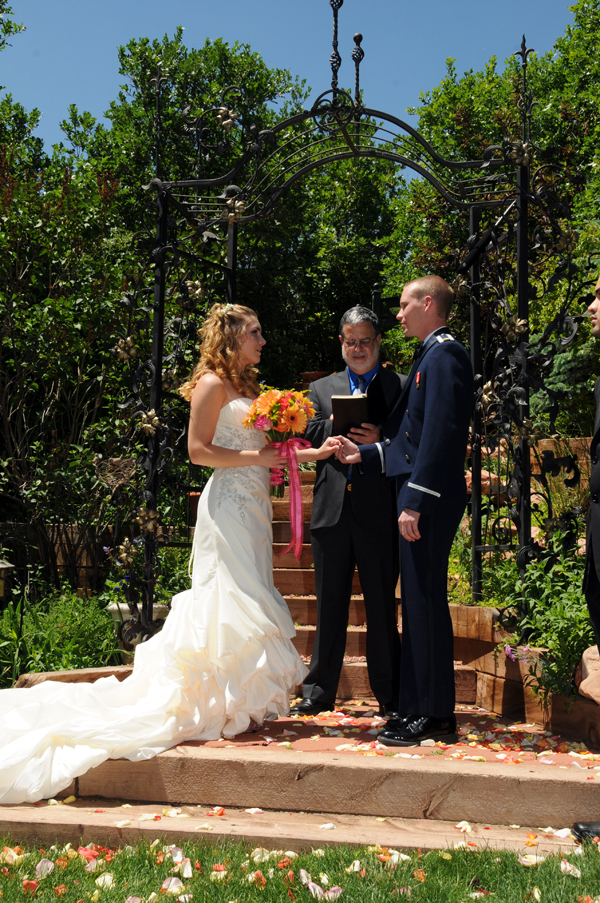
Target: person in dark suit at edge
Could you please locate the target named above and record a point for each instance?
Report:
(591, 581)
(424, 448)
(354, 524)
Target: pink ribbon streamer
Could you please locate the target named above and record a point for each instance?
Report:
(288, 449)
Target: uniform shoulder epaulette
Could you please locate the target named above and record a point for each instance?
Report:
(445, 338)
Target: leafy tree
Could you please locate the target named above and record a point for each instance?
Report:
(464, 115)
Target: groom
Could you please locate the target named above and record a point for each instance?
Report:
(354, 524)
(424, 449)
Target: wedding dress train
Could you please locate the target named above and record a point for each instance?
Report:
(224, 657)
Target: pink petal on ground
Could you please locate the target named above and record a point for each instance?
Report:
(43, 868)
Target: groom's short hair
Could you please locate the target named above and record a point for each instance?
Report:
(360, 314)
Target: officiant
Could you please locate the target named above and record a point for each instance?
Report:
(354, 524)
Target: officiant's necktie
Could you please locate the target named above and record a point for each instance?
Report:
(359, 389)
(360, 386)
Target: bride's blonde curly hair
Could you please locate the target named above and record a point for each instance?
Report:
(221, 335)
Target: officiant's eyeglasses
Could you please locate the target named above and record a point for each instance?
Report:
(362, 343)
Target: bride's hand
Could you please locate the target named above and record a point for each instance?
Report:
(329, 447)
(271, 457)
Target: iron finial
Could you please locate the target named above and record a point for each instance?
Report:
(358, 56)
(526, 102)
(335, 59)
(157, 85)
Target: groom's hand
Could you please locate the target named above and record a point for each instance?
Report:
(348, 452)
(365, 434)
(408, 522)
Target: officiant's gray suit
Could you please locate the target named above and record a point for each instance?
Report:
(354, 523)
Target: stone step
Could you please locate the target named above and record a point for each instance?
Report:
(301, 582)
(405, 784)
(272, 829)
(354, 680)
(281, 509)
(282, 532)
(289, 560)
(356, 640)
(303, 609)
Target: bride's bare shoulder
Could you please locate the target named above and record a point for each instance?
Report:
(209, 388)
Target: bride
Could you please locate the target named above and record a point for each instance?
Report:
(224, 660)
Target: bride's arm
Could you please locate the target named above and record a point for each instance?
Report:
(208, 398)
(318, 454)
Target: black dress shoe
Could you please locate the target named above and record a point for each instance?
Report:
(388, 710)
(585, 830)
(396, 722)
(420, 728)
(311, 707)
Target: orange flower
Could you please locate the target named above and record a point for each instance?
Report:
(420, 875)
(294, 419)
(60, 890)
(264, 401)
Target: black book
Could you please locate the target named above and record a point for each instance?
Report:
(348, 411)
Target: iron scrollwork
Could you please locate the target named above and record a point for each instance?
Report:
(197, 220)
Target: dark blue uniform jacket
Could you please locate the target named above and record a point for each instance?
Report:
(426, 434)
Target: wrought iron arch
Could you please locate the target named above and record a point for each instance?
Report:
(199, 213)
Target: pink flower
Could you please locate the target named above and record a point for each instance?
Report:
(510, 654)
(263, 423)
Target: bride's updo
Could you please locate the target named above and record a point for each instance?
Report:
(221, 335)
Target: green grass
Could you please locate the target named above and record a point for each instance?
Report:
(452, 876)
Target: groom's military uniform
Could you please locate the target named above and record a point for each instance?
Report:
(424, 448)
(354, 524)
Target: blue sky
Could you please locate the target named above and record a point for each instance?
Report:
(69, 52)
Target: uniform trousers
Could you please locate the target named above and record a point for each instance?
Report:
(592, 591)
(336, 551)
(427, 670)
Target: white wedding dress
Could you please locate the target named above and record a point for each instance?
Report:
(224, 657)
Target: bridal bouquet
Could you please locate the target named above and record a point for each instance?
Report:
(282, 415)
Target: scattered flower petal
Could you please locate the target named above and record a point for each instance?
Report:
(171, 886)
(531, 860)
(563, 833)
(43, 868)
(217, 876)
(254, 811)
(328, 826)
(568, 869)
(105, 881)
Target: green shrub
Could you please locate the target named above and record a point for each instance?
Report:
(61, 632)
(549, 610)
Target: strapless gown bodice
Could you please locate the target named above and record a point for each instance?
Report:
(224, 657)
